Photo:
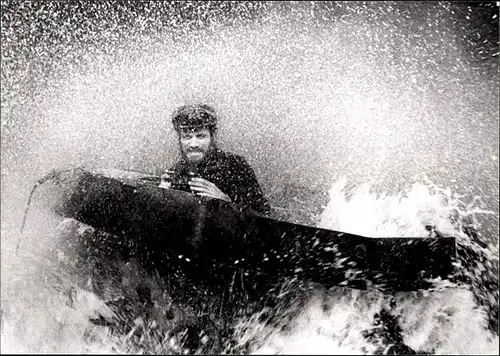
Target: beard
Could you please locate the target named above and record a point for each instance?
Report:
(194, 156)
(197, 155)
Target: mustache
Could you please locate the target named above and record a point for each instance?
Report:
(199, 150)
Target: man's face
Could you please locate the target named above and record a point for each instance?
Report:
(195, 144)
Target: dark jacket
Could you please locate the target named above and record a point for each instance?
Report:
(230, 173)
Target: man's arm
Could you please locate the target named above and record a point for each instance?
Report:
(247, 188)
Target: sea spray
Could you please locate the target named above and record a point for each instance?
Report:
(372, 91)
(449, 318)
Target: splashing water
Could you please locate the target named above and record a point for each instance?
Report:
(369, 96)
(331, 322)
(444, 321)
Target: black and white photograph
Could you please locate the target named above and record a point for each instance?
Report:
(249, 177)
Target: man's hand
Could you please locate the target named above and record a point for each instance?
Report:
(165, 181)
(203, 187)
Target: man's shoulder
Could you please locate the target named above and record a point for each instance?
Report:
(232, 158)
(234, 164)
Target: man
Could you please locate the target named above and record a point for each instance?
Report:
(206, 170)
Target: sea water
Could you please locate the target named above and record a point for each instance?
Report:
(370, 118)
